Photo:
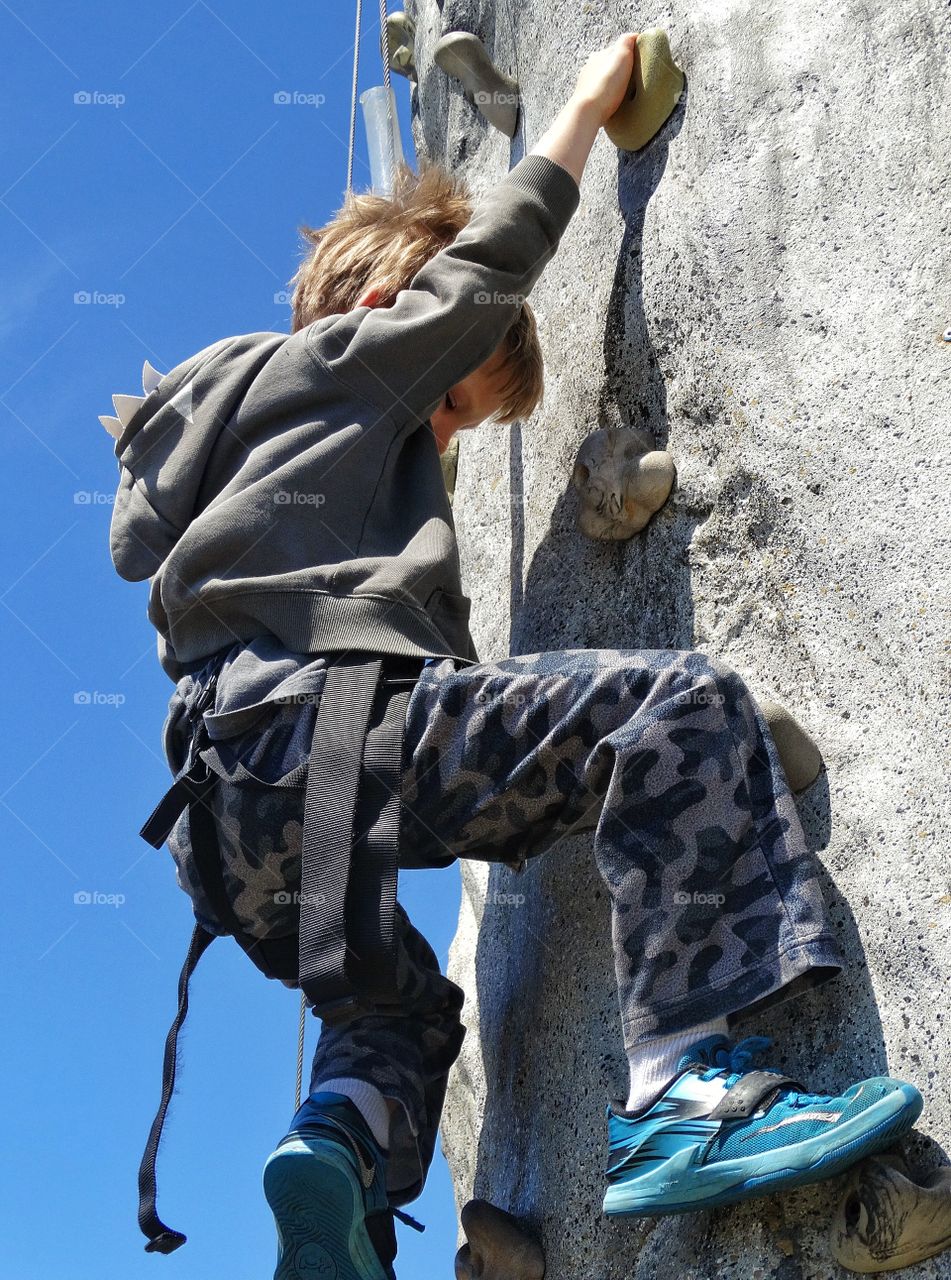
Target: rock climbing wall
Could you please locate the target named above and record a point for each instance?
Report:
(765, 294)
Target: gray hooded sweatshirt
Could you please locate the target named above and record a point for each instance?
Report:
(290, 487)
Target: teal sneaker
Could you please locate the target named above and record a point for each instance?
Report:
(724, 1132)
(326, 1185)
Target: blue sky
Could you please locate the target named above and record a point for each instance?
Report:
(168, 196)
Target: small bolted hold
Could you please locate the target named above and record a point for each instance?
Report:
(463, 55)
(401, 44)
(886, 1220)
(800, 757)
(499, 1246)
(621, 484)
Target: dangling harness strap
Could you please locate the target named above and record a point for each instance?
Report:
(161, 1238)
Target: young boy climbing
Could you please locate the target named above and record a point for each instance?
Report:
(284, 495)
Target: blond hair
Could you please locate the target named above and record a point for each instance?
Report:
(384, 241)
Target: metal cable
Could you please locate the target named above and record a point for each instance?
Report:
(392, 126)
(300, 1053)
(384, 48)
(353, 93)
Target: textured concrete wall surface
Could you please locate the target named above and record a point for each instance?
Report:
(765, 295)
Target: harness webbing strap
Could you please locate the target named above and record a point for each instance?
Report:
(192, 780)
(375, 868)
(158, 825)
(161, 1238)
(333, 776)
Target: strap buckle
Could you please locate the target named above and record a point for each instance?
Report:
(206, 696)
(340, 1010)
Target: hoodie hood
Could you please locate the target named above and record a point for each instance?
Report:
(164, 439)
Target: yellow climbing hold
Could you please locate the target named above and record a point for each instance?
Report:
(655, 89)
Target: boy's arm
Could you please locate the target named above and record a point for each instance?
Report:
(404, 358)
(602, 83)
(570, 136)
(459, 305)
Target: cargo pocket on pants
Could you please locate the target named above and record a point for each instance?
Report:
(258, 807)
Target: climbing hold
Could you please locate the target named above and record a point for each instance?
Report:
(657, 84)
(946, 336)
(464, 56)
(800, 757)
(620, 482)
(401, 44)
(886, 1221)
(499, 1246)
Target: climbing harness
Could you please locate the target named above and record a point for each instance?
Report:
(345, 964)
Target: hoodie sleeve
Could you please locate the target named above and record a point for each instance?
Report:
(460, 304)
(164, 448)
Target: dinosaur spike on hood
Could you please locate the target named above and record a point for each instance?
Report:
(126, 407)
(150, 378)
(112, 425)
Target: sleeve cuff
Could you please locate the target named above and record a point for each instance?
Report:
(549, 182)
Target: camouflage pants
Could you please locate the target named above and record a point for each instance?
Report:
(715, 901)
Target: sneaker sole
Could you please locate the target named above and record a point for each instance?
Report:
(318, 1206)
(802, 1163)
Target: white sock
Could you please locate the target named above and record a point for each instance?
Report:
(367, 1099)
(654, 1064)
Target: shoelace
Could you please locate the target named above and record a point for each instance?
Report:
(737, 1059)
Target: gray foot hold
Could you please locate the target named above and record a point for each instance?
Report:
(887, 1221)
(801, 758)
(499, 1246)
(464, 56)
(401, 42)
(621, 483)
